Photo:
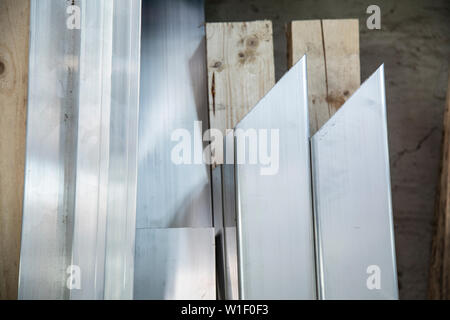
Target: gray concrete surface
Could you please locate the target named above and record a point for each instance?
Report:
(414, 45)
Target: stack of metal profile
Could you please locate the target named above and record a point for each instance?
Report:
(273, 213)
(104, 204)
(81, 161)
(348, 252)
(109, 215)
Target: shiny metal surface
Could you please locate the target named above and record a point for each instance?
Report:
(171, 261)
(217, 197)
(173, 95)
(81, 151)
(274, 212)
(353, 209)
(175, 263)
(229, 221)
(219, 234)
(91, 186)
(122, 183)
(50, 153)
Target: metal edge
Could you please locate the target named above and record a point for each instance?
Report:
(241, 291)
(320, 277)
(388, 172)
(237, 193)
(26, 164)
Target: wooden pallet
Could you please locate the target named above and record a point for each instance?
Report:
(332, 49)
(240, 69)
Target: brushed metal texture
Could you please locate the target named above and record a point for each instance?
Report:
(52, 120)
(352, 198)
(122, 182)
(231, 278)
(175, 263)
(173, 96)
(274, 212)
(81, 151)
(92, 156)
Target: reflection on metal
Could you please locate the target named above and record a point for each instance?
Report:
(274, 212)
(50, 155)
(82, 89)
(175, 263)
(83, 199)
(121, 223)
(173, 95)
(217, 199)
(91, 185)
(229, 221)
(352, 193)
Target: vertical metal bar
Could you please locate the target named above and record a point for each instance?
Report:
(219, 233)
(241, 272)
(50, 153)
(229, 218)
(352, 198)
(88, 249)
(121, 220)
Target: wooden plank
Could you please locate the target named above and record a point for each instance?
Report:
(14, 23)
(305, 37)
(439, 287)
(332, 49)
(240, 69)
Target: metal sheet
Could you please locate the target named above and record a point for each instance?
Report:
(352, 191)
(73, 150)
(173, 96)
(175, 263)
(274, 212)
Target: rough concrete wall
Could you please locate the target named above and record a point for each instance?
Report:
(414, 45)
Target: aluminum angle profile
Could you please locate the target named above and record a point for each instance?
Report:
(82, 125)
(51, 143)
(275, 241)
(352, 199)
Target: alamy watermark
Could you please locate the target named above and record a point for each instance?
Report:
(373, 282)
(74, 278)
(374, 20)
(73, 21)
(257, 147)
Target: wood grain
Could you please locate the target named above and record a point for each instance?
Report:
(14, 41)
(439, 286)
(332, 49)
(240, 69)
